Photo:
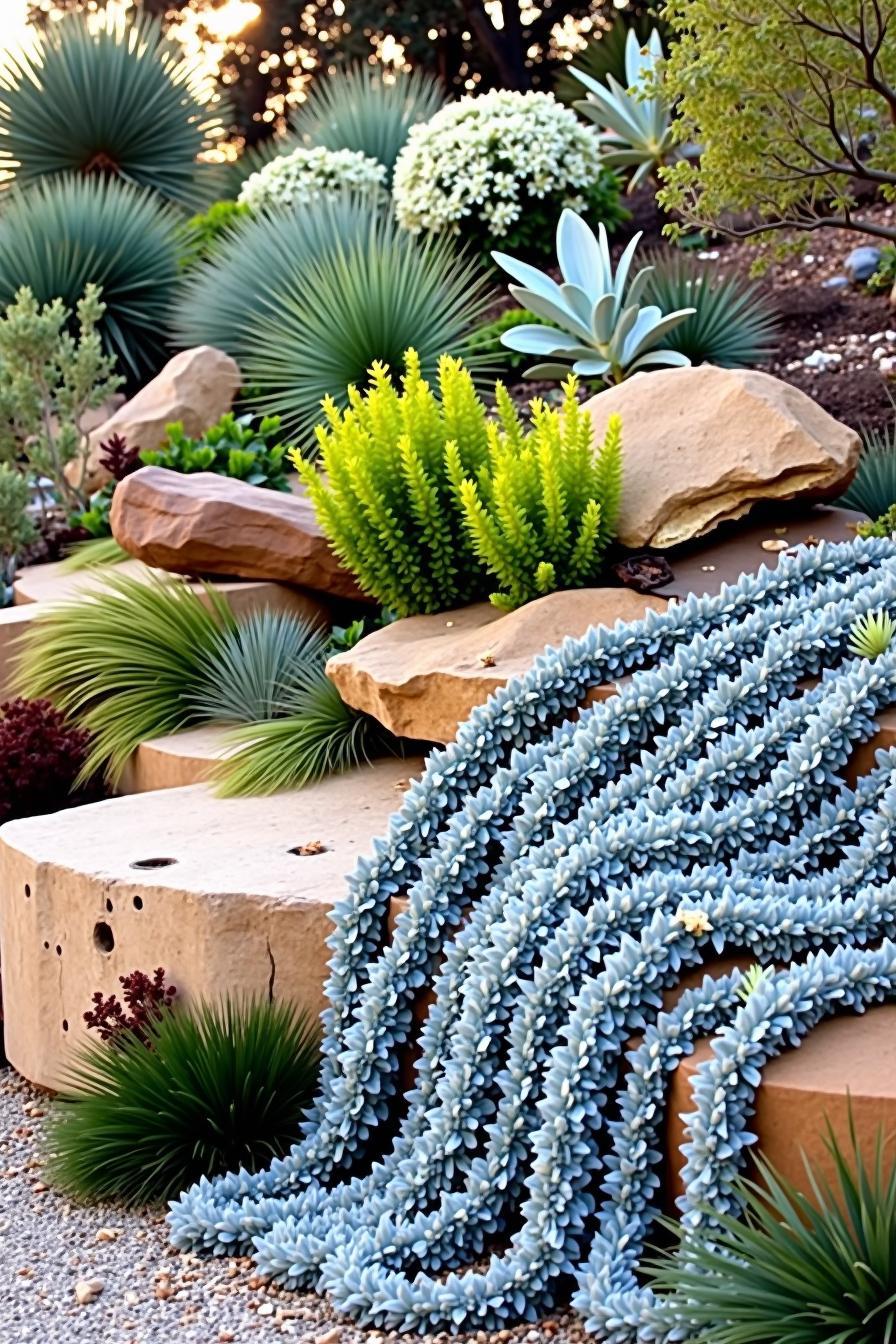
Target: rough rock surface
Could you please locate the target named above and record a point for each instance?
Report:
(422, 676)
(207, 524)
(700, 446)
(197, 386)
(222, 892)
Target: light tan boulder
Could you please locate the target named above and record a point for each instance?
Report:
(225, 894)
(197, 387)
(701, 446)
(207, 524)
(422, 676)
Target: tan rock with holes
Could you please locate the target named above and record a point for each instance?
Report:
(197, 387)
(208, 524)
(14, 621)
(211, 889)
(422, 676)
(701, 446)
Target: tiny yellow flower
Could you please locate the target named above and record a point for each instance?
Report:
(694, 921)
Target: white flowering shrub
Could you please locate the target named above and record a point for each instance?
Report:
(293, 179)
(502, 166)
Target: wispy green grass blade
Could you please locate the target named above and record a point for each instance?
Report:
(92, 554)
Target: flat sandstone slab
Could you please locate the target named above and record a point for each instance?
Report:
(421, 677)
(217, 891)
(176, 760)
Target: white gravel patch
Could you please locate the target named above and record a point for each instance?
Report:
(105, 1275)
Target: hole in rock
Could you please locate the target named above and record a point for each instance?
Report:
(138, 902)
(103, 937)
(153, 863)
(65, 1024)
(311, 847)
(109, 906)
(58, 950)
(27, 890)
(46, 945)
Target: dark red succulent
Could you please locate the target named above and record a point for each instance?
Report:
(145, 998)
(118, 458)
(41, 755)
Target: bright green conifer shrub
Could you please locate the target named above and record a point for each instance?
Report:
(428, 501)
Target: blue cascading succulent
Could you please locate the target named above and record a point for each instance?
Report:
(561, 868)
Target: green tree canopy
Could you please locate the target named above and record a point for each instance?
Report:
(793, 104)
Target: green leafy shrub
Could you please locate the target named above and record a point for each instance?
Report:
(882, 526)
(138, 660)
(884, 278)
(201, 233)
(115, 98)
(794, 1269)
(307, 300)
(199, 1091)
(357, 108)
(733, 324)
(873, 488)
(243, 447)
(16, 528)
(52, 372)
(794, 115)
(427, 501)
(64, 234)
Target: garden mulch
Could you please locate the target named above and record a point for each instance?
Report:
(145, 1291)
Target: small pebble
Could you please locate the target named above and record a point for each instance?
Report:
(87, 1291)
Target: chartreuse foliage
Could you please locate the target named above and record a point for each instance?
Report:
(793, 106)
(110, 97)
(542, 510)
(428, 501)
(138, 660)
(560, 865)
(795, 1270)
(199, 1090)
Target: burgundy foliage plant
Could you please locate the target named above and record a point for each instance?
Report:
(145, 999)
(41, 755)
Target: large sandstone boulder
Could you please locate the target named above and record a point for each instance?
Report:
(422, 676)
(225, 893)
(197, 387)
(700, 446)
(202, 523)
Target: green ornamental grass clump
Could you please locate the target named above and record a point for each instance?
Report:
(873, 488)
(794, 1269)
(196, 1092)
(428, 501)
(139, 660)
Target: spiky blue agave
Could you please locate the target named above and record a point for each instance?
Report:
(561, 871)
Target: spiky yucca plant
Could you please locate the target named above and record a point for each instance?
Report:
(873, 488)
(427, 502)
(542, 510)
(733, 324)
(307, 300)
(66, 233)
(794, 1269)
(250, 673)
(203, 1090)
(361, 108)
(115, 98)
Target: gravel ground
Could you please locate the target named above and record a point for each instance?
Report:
(145, 1292)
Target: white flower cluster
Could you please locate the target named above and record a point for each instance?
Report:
(304, 174)
(489, 158)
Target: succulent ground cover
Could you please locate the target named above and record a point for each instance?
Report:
(567, 871)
